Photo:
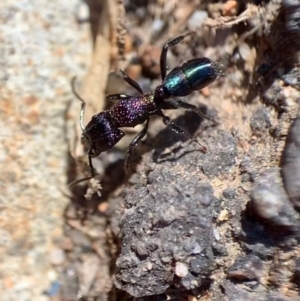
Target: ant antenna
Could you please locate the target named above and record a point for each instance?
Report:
(83, 103)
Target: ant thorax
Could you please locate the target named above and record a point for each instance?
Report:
(133, 111)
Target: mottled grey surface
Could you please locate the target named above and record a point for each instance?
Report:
(247, 267)
(41, 48)
(290, 163)
(271, 202)
(166, 226)
(167, 236)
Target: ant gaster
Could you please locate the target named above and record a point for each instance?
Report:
(103, 132)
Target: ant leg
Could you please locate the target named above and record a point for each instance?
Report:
(176, 103)
(117, 96)
(82, 103)
(134, 143)
(164, 51)
(92, 172)
(179, 130)
(131, 82)
(91, 167)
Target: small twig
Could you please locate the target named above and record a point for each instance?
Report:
(121, 30)
(226, 22)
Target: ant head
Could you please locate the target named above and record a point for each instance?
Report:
(100, 134)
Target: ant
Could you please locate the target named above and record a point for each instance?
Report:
(103, 132)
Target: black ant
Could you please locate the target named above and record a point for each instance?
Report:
(103, 131)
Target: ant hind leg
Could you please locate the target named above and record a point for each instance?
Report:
(164, 51)
(179, 130)
(177, 103)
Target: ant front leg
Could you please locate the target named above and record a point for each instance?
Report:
(91, 167)
(134, 143)
(164, 51)
(177, 103)
(92, 172)
(131, 82)
(179, 130)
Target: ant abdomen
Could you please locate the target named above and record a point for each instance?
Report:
(193, 75)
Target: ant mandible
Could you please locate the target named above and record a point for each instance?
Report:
(103, 132)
